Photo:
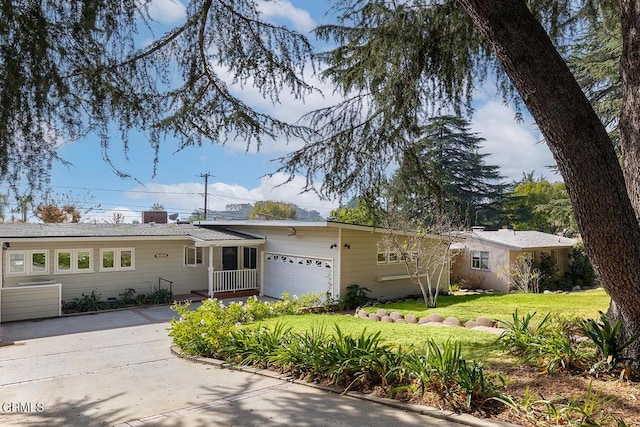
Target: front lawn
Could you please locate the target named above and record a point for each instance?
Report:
(552, 378)
(501, 306)
(475, 345)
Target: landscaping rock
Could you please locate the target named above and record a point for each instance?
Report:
(395, 315)
(452, 321)
(363, 314)
(382, 312)
(401, 321)
(576, 288)
(485, 321)
(423, 320)
(435, 318)
(470, 324)
(410, 318)
(374, 317)
(386, 319)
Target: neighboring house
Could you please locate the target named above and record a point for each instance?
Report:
(484, 253)
(43, 265)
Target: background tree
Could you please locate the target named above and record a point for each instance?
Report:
(272, 210)
(358, 211)
(540, 205)
(157, 207)
(117, 218)
(51, 213)
(444, 171)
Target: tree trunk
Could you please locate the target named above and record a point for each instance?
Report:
(579, 143)
(630, 114)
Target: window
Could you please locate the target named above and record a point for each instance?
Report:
(554, 256)
(27, 262)
(192, 256)
(388, 257)
(480, 260)
(74, 261)
(16, 263)
(117, 259)
(39, 262)
(249, 258)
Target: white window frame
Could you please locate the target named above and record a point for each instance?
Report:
(117, 259)
(390, 257)
(46, 262)
(27, 263)
(479, 256)
(195, 250)
(74, 261)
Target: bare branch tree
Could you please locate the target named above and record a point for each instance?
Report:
(521, 274)
(423, 247)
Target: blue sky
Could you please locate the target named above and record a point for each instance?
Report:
(238, 176)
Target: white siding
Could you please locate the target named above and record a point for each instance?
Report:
(306, 242)
(30, 302)
(148, 268)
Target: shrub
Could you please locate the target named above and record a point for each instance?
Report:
(356, 296)
(204, 331)
(91, 302)
(548, 268)
(605, 337)
(580, 272)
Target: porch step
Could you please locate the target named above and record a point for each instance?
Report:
(224, 295)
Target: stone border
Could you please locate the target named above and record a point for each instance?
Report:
(481, 323)
(464, 419)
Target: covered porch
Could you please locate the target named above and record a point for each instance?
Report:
(232, 267)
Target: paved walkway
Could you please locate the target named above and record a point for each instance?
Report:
(116, 369)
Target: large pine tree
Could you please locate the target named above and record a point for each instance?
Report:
(444, 171)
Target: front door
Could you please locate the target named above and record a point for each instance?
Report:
(230, 258)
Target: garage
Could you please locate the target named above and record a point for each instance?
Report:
(298, 275)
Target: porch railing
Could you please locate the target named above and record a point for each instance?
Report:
(235, 280)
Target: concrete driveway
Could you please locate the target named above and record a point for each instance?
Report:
(116, 369)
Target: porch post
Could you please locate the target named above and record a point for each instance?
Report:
(210, 270)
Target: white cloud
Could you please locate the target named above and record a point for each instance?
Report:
(167, 11)
(187, 197)
(107, 215)
(300, 19)
(513, 146)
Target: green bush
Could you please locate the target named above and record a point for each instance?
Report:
(580, 272)
(356, 296)
(605, 337)
(205, 331)
(91, 302)
(549, 345)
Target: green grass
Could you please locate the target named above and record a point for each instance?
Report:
(476, 345)
(501, 306)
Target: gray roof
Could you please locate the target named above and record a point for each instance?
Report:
(522, 239)
(89, 230)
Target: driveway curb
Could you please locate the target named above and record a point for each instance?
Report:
(464, 419)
